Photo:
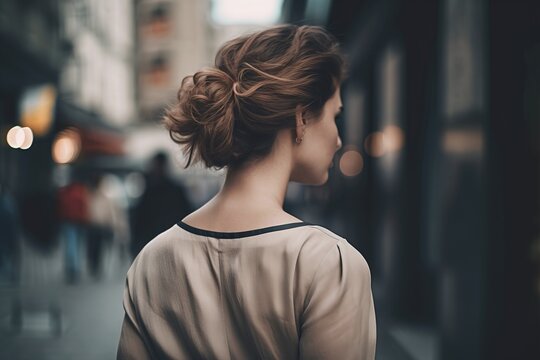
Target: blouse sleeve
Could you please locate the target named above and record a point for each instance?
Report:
(131, 345)
(338, 321)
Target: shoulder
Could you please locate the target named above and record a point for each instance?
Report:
(158, 249)
(327, 262)
(332, 241)
(320, 237)
(325, 251)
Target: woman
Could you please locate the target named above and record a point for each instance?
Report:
(240, 278)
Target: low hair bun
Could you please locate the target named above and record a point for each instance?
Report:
(203, 117)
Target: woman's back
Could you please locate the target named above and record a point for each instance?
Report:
(291, 291)
(267, 113)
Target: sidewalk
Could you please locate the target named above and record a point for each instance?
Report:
(45, 318)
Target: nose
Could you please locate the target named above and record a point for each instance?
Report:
(339, 144)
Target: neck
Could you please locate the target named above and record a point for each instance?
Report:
(252, 195)
(262, 184)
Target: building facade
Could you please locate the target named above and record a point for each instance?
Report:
(447, 226)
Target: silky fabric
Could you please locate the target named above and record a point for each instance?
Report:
(295, 292)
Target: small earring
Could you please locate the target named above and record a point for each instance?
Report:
(299, 140)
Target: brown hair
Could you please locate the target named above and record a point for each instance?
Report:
(232, 112)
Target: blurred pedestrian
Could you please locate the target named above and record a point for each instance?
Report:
(73, 216)
(162, 203)
(102, 215)
(240, 278)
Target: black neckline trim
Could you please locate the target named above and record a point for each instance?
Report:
(239, 234)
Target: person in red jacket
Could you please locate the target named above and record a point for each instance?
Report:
(73, 215)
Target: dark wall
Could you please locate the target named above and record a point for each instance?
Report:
(514, 179)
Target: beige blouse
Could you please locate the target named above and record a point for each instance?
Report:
(292, 291)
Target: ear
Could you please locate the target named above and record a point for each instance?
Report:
(300, 121)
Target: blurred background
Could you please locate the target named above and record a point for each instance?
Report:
(437, 184)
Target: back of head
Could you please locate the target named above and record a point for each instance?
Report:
(232, 112)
